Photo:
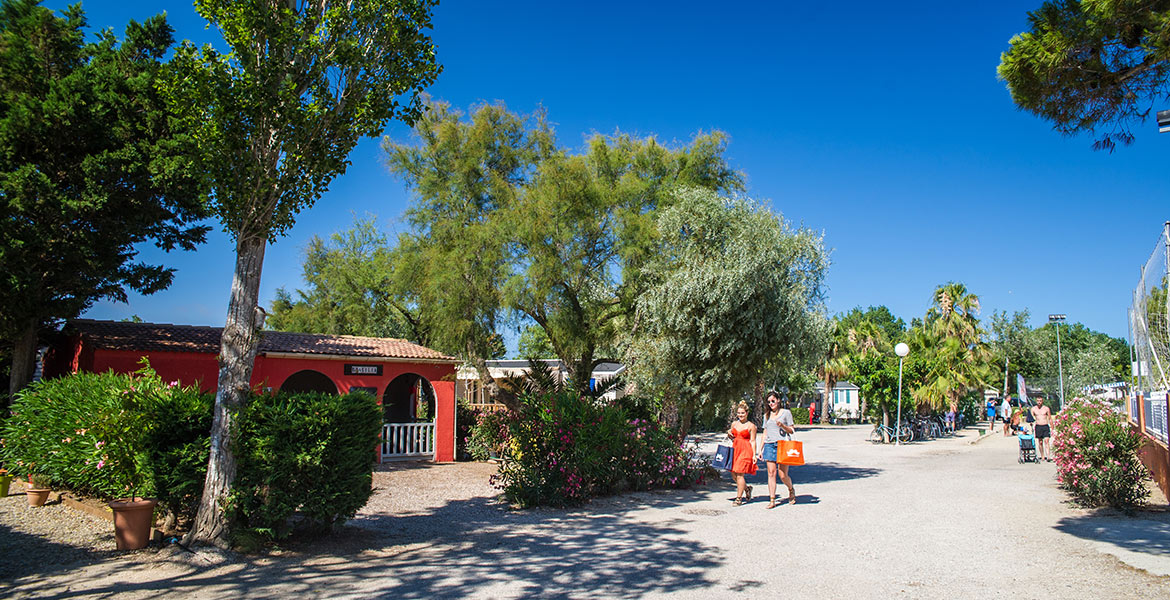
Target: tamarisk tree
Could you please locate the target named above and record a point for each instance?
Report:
(276, 118)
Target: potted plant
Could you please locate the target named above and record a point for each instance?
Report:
(120, 438)
(38, 492)
(5, 481)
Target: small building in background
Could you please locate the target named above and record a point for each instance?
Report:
(414, 385)
(846, 399)
(471, 388)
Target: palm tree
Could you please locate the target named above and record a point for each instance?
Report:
(834, 364)
(866, 338)
(952, 340)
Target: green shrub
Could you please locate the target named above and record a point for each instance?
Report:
(309, 455)
(562, 448)
(465, 419)
(800, 416)
(112, 435)
(488, 435)
(54, 431)
(1097, 455)
(89, 432)
(177, 447)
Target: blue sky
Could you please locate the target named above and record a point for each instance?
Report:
(882, 125)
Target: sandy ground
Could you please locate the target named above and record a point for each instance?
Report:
(938, 519)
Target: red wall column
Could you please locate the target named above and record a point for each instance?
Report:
(445, 421)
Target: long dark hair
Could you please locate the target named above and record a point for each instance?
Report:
(781, 401)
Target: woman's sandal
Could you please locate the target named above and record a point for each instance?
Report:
(792, 497)
(748, 494)
(738, 502)
(772, 502)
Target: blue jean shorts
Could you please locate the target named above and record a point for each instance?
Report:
(769, 451)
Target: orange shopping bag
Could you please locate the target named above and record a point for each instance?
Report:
(790, 452)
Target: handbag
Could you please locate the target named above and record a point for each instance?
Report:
(790, 452)
(723, 457)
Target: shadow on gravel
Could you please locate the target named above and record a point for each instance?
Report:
(408, 465)
(1136, 534)
(815, 473)
(37, 556)
(475, 547)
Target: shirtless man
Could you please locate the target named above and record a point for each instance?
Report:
(1043, 429)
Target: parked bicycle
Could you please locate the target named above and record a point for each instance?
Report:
(926, 428)
(881, 433)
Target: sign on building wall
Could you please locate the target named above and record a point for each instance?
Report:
(366, 369)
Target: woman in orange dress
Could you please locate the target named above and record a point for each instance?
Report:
(743, 444)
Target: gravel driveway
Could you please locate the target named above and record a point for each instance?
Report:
(938, 519)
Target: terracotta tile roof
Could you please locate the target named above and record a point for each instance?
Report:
(165, 337)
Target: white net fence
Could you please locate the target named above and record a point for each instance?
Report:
(1150, 332)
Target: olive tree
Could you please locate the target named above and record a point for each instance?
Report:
(735, 291)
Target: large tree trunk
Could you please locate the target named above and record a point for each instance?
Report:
(758, 396)
(237, 355)
(24, 359)
(686, 414)
(827, 402)
(886, 422)
(581, 371)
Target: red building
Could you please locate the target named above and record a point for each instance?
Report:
(415, 385)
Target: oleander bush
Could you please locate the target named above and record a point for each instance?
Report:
(304, 462)
(302, 459)
(1097, 455)
(800, 416)
(487, 436)
(562, 448)
(111, 435)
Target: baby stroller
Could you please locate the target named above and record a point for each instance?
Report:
(1027, 448)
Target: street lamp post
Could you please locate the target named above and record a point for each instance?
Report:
(1058, 319)
(901, 350)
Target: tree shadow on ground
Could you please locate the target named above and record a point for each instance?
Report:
(1147, 532)
(466, 548)
(39, 555)
(820, 472)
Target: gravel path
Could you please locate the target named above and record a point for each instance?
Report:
(51, 538)
(938, 519)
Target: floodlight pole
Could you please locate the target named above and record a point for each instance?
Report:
(1059, 367)
(901, 350)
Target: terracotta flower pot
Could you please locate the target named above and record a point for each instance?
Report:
(132, 521)
(37, 496)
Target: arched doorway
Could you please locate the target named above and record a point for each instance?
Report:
(408, 410)
(409, 399)
(309, 380)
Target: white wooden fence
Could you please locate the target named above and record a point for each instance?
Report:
(408, 440)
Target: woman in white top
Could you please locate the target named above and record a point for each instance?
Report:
(778, 425)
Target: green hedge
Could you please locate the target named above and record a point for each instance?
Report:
(310, 455)
(800, 416)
